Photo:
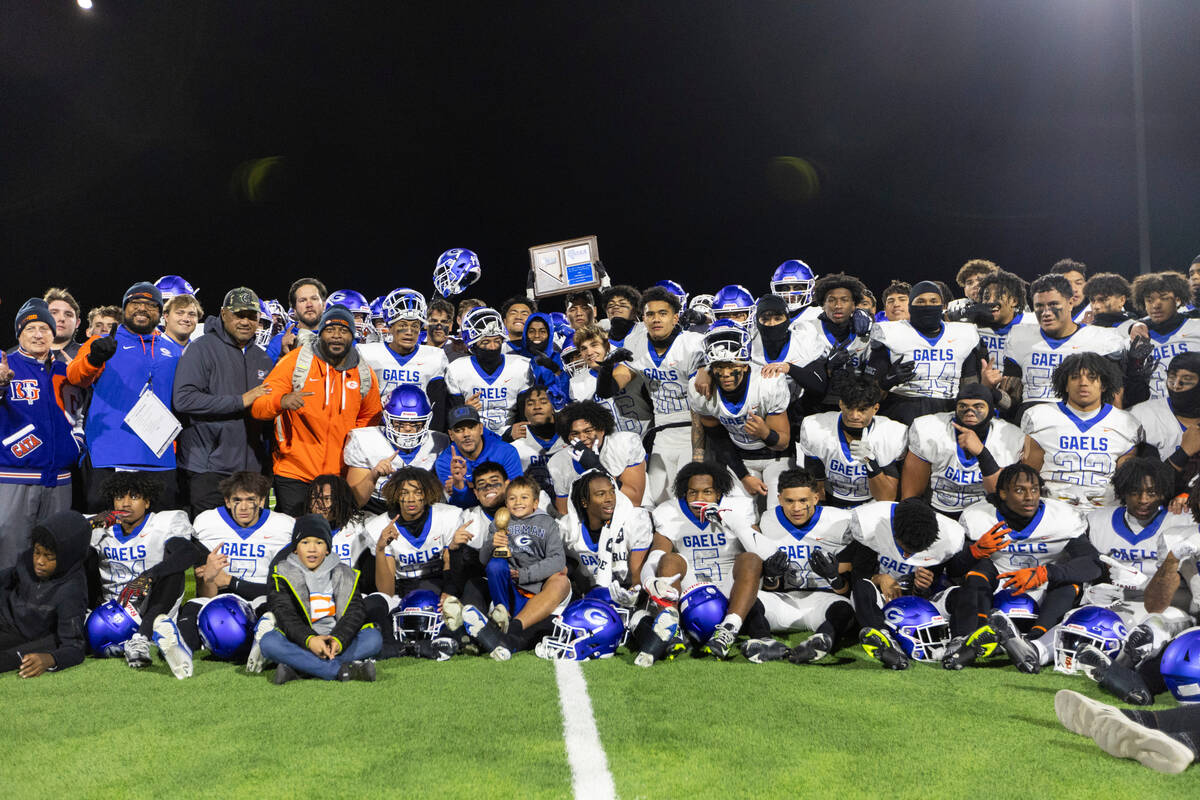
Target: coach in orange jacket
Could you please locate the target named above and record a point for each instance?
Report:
(311, 423)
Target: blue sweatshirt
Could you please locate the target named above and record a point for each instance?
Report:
(494, 449)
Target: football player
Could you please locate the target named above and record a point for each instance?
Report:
(1163, 294)
(706, 534)
(402, 360)
(592, 441)
(793, 281)
(749, 409)
(488, 381)
(1077, 443)
(140, 563)
(515, 311)
(622, 304)
(734, 303)
(535, 434)
(943, 355)
(1171, 425)
(1106, 294)
(856, 454)
(603, 376)
(807, 586)
(404, 439)
(331, 497)
(668, 357)
(954, 457)
(1004, 294)
(1040, 549)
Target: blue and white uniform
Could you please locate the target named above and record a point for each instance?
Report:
(497, 390)
(823, 441)
(804, 598)
(366, 447)
(995, 339)
(1033, 355)
(1038, 544)
(1081, 448)
(938, 359)
(619, 451)
(709, 548)
(871, 526)
(421, 367)
(350, 541)
(955, 480)
(251, 549)
(605, 559)
(124, 555)
(418, 557)
(630, 406)
(1184, 339)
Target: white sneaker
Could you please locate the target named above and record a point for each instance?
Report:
(1078, 713)
(256, 660)
(1120, 736)
(171, 646)
(137, 651)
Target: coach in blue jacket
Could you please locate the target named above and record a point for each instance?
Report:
(39, 445)
(118, 367)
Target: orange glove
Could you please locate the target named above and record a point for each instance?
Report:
(1022, 580)
(992, 541)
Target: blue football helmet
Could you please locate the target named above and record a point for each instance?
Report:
(266, 325)
(417, 616)
(701, 609)
(405, 304)
(173, 285)
(1099, 627)
(226, 625)
(920, 629)
(726, 341)
(407, 403)
(588, 628)
(358, 305)
(731, 300)
(677, 290)
(377, 309)
(1180, 666)
(481, 323)
(108, 628)
(456, 269)
(1020, 608)
(793, 280)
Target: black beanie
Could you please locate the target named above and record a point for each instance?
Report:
(315, 526)
(35, 309)
(978, 391)
(771, 302)
(922, 287)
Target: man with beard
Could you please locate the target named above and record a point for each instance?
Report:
(307, 300)
(119, 367)
(320, 391)
(1172, 424)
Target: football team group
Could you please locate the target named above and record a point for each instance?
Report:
(1006, 475)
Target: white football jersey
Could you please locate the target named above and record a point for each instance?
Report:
(420, 556)
(619, 451)
(498, 391)
(667, 376)
(366, 447)
(419, 367)
(606, 558)
(124, 556)
(350, 540)
(938, 359)
(630, 406)
(764, 396)
(871, 526)
(250, 550)
(709, 548)
(1185, 338)
(536, 452)
(1038, 543)
(1037, 354)
(811, 339)
(1081, 451)
(828, 530)
(1160, 428)
(1119, 536)
(807, 314)
(995, 339)
(846, 479)
(955, 480)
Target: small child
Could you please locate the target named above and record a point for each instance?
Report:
(532, 582)
(43, 599)
(318, 612)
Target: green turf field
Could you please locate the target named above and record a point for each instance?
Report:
(474, 728)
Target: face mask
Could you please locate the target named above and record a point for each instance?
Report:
(1185, 403)
(619, 328)
(774, 335)
(488, 359)
(926, 319)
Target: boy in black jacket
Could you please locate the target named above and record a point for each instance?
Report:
(318, 612)
(43, 599)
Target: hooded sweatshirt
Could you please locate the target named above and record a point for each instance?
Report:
(556, 381)
(55, 606)
(309, 440)
(294, 588)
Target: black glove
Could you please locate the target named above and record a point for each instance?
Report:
(543, 360)
(898, 373)
(1141, 361)
(618, 355)
(102, 350)
(839, 358)
(979, 314)
(775, 565)
(860, 322)
(826, 566)
(586, 456)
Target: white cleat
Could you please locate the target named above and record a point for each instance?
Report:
(137, 651)
(256, 660)
(1078, 713)
(171, 646)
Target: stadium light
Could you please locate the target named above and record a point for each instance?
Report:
(86, 5)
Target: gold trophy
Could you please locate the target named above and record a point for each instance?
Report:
(501, 518)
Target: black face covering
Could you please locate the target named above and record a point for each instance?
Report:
(488, 359)
(977, 391)
(619, 328)
(774, 337)
(1167, 325)
(1185, 403)
(926, 319)
(544, 431)
(1109, 319)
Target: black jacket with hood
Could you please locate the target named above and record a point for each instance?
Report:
(55, 606)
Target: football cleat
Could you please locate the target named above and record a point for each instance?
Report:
(1138, 646)
(283, 674)
(1092, 662)
(880, 647)
(656, 642)
(256, 660)
(760, 651)
(1022, 653)
(811, 649)
(358, 671)
(452, 613)
(984, 640)
(499, 615)
(720, 644)
(171, 646)
(485, 633)
(1120, 736)
(965, 650)
(137, 651)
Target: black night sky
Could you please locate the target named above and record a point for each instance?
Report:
(253, 142)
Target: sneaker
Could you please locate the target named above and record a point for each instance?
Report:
(358, 671)
(1092, 662)
(720, 644)
(1022, 653)
(171, 646)
(283, 674)
(665, 629)
(452, 613)
(1120, 736)
(137, 651)
(1078, 713)
(500, 653)
(760, 651)
(256, 660)
(485, 633)
(500, 616)
(880, 647)
(814, 648)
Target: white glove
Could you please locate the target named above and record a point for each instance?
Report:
(861, 450)
(709, 512)
(1183, 547)
(622, 596)
(1104, 595)
(663, 588)
(1124, 575)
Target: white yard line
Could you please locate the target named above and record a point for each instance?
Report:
(590, 777)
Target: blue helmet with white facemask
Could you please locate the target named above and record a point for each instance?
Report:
(920, 628)
(456, 269)
(793, 280)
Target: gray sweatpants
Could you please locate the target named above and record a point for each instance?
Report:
(21, 507)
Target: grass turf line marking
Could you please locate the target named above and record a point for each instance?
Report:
(590, 778)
